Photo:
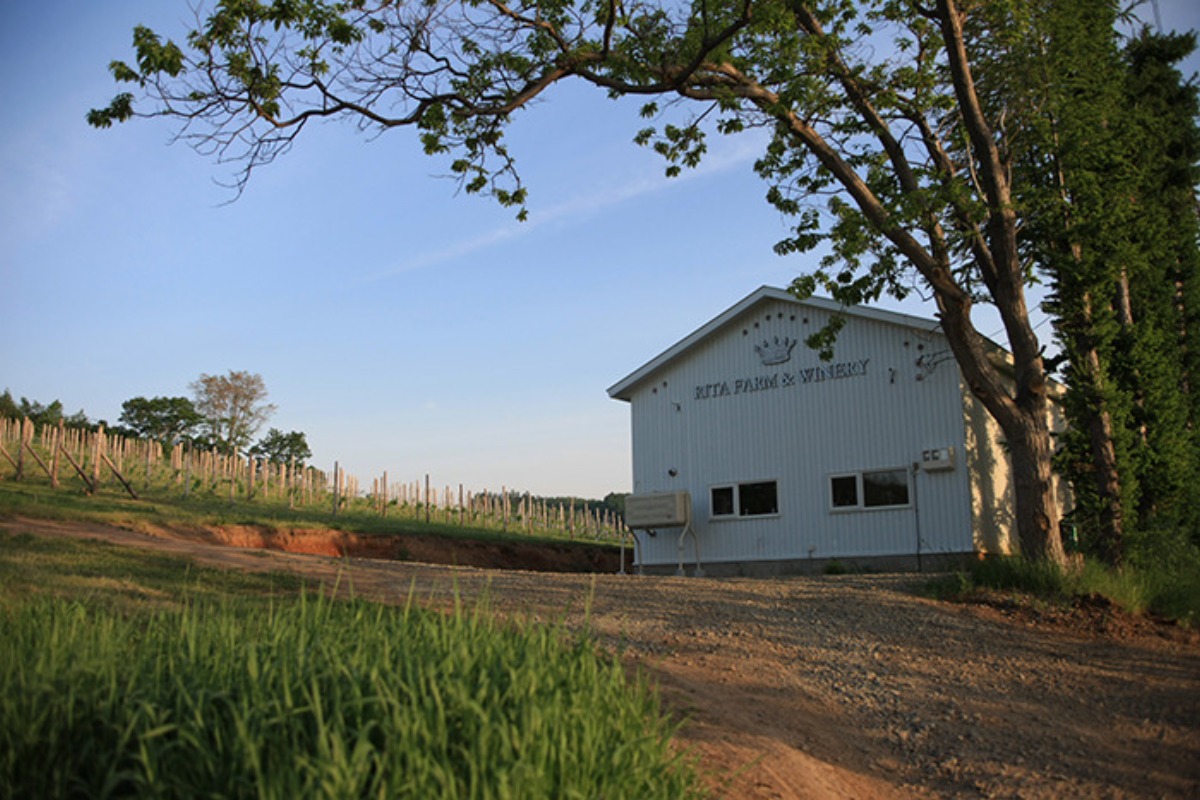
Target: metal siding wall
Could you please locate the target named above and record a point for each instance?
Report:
(800, 434)
(990, 476)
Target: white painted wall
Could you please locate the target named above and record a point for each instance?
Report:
(689, 435)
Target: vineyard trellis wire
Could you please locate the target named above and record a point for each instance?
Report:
(67, 457)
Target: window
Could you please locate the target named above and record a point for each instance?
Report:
(722, 501)
(885, 488)
(845, 491)
(757, 499)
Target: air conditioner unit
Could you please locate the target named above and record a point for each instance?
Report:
(937, 458)
(658, 510)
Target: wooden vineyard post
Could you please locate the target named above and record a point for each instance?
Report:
(4, 452)
(21, 450)
(97, 452)
(384, 508)
(3, 438)
(427, 498)
(120, 477)
(336, 478)
(26, 431)
(187, 472)
(55, 443)
(149, 449)
(27, 440)
(82, 475)
(461, 509)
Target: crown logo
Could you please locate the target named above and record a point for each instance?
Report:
(777, 351)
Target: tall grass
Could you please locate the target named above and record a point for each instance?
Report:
(318, 698)
(1168, 586)
(125, 674)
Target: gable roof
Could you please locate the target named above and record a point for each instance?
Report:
(622, 389)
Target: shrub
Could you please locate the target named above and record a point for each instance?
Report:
(1169, 587)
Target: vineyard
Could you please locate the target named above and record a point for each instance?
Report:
(74, 459)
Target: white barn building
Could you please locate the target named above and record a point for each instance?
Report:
(878, 458)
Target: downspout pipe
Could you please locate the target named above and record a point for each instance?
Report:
(637, 552)
(916, 471)
(699, 573)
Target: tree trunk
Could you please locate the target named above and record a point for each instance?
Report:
(1098, 421)
(1111, 546)
(1022, 413)
(1037, 513)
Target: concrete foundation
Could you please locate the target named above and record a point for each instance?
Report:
(932, 562)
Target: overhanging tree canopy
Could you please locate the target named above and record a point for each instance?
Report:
(883, 141)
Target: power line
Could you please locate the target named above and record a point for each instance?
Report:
(1035, 327)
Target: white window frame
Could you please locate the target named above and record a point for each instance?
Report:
(737, 514)
(860, 491)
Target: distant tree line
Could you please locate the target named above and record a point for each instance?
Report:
(42, 414)
(224, 413)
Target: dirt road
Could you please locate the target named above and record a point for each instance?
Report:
(846, 686)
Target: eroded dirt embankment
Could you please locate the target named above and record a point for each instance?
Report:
(513, 555)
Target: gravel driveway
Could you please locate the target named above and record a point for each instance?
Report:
(847, 686)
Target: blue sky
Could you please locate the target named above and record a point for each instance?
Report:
(400, 326)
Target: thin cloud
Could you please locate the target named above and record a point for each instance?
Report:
(39, 195)
(579, 208)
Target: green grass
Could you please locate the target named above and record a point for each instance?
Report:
(1169, 588)
(113, 507)
(124, 674)
(116, 578)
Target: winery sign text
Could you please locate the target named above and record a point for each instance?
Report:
(783, 380)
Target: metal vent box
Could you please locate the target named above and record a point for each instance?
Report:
(658, 510)
(937, 458)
